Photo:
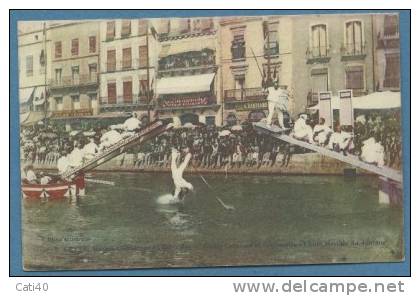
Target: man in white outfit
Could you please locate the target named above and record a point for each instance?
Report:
(278, 99)
(177, 171)
(303, 131)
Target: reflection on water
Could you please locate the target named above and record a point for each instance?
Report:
(278, 220)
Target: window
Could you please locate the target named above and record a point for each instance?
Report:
(354, 38)
(319, 41)
(110, 30)
(112, 92)
(110, 61)
(75, 99)
(142, 27)
(271, 46)
(184, 26)
(126, 63)
(196, 25)
(391, 25)
(59, 103)
(164, 26)
(93, 72)
(42, 62)
(57, 50)
(355, 78)
(238, 46)
(29, 65)
(143, 88)
(392, 70)
(128, 91)
(125, 28)
(92, 44)
(143, 56)
(207, 24)
(75, 47)
(58, 76)
(75, 75)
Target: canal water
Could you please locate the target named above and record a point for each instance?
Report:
(277, 220)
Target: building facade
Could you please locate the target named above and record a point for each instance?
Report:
(187, 78)
(331, 53)
(74, 71)
(254, 51)
(387, 52)
(34, 72)
(129, 50)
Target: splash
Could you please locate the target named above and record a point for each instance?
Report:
(167, 199)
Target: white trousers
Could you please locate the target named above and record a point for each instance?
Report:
(274, 107)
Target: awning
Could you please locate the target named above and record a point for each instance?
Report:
(39, 95)
(194, 44)
(25, 95)
(376, 100)
(185, 84)
(31, 118)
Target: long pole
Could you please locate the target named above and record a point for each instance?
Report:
(256, 61)
(44, 31)
(148, 73)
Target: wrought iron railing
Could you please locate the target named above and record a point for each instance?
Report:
(76, 80)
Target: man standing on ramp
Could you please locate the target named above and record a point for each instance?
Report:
(181, 186)
(278, 99)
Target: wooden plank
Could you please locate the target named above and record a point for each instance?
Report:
(350, 159)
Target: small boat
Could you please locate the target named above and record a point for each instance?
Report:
(56, 190)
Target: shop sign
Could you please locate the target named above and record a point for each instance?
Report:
(72, 113)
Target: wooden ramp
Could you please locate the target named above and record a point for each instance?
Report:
(350, 159)
(147, 133)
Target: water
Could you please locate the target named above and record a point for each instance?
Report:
(277, 220)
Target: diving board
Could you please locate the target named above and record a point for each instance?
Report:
(350, 159)
(145, 134)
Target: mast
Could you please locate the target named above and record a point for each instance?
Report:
(148, 73)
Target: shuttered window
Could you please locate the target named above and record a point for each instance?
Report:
(125, 28)
(92, 44)
(143, 56)
(112, 93)
(75, 47)
(142, 27)
(127, 58)
(128, 91)
(110, 61)
(355, 78)
(110, 30)
(57, 50)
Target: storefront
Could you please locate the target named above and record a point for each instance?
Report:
(187, 99)
(238, 112)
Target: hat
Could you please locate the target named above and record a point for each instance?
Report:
(303, 116)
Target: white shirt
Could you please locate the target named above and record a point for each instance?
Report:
(111, 137)
(62, 164)
(279, 96)
(131, 124)
(76, 157)
(30, 176)
(45, 180)
(90, 148)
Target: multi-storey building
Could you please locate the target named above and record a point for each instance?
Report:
(34, 71)
(74, 71)
(331, 53)
(188, 80)
(253, 49)
(387, 52)
(129, 50)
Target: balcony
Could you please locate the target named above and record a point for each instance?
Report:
(353, 51)
(388, 39)
(243, 95)
(187, 71)
(125, 65)
(318, 54)
(74, 81)
(129, 104)
(71, 113)
(272, 49)
(312, 99)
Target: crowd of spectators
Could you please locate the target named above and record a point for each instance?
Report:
(215, 147)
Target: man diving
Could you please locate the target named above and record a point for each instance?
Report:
(181, 186)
